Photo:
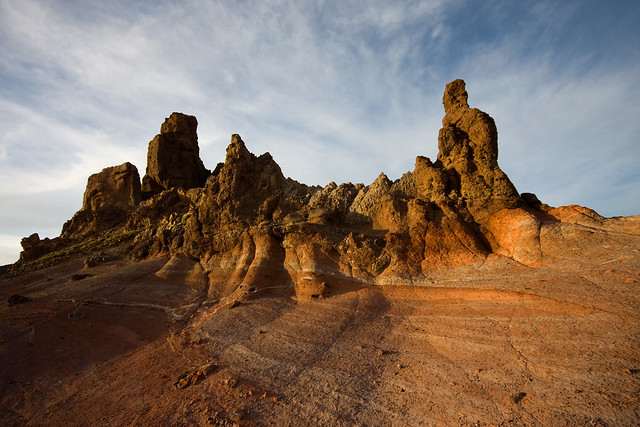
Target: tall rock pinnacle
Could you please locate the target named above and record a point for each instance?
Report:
(173, 157)
(468, 144)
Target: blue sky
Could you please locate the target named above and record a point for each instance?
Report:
(334, 90)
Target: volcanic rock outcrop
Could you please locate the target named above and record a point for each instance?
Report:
(109, 197)
(468, 149)
(173, 157)
(246, 227)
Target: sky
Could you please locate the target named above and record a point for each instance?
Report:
(334, 90)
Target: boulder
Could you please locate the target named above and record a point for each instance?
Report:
(33, 247)
(515, 233)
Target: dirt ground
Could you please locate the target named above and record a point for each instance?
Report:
(494, 343)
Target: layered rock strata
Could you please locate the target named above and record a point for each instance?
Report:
(246, 227)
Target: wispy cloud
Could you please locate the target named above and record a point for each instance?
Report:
(335, 90)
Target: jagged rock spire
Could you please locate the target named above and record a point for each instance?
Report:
(173, 157)
(468, 144)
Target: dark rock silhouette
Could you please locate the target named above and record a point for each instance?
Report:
(173, 157)
(109, 197)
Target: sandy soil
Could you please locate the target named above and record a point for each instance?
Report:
(488, 344)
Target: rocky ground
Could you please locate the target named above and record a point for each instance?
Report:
(488, 343)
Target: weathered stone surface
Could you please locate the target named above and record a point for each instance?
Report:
(243, 190)
(432, 182)
(309, 289)
(111, 195)
(515, 233)
(32, 247)
(577, 215)
(468, 144)
(182, 269)
(367, 200)
(117, 185)
(251, 228)
(173, 157)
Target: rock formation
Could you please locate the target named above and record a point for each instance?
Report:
(117, 185)
(468, 149)
(173, 157)
(109, 197)
(245, 226)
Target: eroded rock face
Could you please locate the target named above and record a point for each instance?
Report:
(33, 247)
(173, 157)
(117, 185)
(110, 196)
(245, 227)
(468, 154)
(183, 269)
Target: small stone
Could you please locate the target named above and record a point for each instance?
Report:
(517, 397)
(235, 416)
(206, 369)
(380, 352)
(17, 299)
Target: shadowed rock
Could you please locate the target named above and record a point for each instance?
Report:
(117, 185)
(111, 195)
(173, 157)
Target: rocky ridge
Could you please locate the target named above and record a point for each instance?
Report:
(145, 311)
(244, 226)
